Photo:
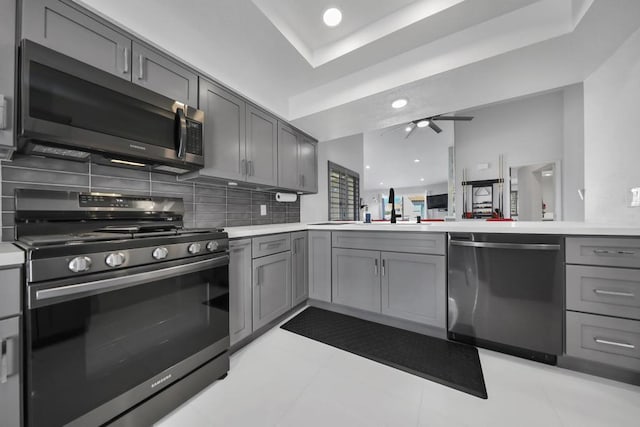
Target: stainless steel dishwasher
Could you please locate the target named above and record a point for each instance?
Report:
(506, 292)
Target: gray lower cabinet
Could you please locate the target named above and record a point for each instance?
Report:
(413, 287)
(271, 287)
(262, 147)
(224, 132)
(75, 34)
(356, 278)
(299, 268)
(240, 300)
(320, 265)
(10, 372)
(164, 76)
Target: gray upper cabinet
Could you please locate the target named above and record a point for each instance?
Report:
(7, 73)
(162, 75)
(75, 34)
(262, 147)
(320, 265)
(271, 288)
(224, 132)
(356, 278)
(308, 164)
(240, 313)
(414, 287)
(297, 160)
(299, 267)
(288, 176)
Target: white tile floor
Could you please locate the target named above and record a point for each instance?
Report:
(283, 379)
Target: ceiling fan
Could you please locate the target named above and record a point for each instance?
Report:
(431, 122)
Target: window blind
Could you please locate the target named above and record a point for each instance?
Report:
(344, 193)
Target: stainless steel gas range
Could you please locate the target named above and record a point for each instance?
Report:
(127, 312)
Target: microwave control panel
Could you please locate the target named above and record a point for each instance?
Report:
(194, 137)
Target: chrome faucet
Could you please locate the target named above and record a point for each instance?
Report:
(392, 200)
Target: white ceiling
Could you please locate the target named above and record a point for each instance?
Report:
(337, 82)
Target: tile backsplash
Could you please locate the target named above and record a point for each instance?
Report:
(206, 205)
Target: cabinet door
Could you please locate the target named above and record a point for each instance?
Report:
(240, 313)
(71, 32)
(308, 164)
(164, 76)
(299, 268)
(224, 132)
(414, 287)
(262, 147)
(7, 72)
(356, 278)
(271, 288)
(320, 265)
(288, 176)
(10, 388)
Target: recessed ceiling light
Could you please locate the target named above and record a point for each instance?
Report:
(409, 128)
(332, 17)
(547, 173)
(382, 183)
(421, 179)
(399, 103)
(423, 123)
(368, 167)
(416, 161)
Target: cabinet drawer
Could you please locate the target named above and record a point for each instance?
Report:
(609, 291)
(612, 252)
(419, 243)
(272, 244)
(10, 287)
(604, 339)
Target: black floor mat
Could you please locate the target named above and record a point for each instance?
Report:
(449, 363)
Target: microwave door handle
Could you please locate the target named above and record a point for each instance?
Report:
(182, 133)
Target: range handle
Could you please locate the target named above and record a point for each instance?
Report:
(518, 246)
(44, 297)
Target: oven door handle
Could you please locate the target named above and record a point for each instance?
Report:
(65, 293)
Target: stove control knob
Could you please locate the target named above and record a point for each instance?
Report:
(212, 246)
(160, 253)
(194, 248)
(115, 259)
(80, 264)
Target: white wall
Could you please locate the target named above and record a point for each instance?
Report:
(573, 154)
(347, 152)
(612, 136)
(526, 131)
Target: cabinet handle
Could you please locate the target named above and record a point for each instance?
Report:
(608, 252)
(375, 267)
(141, 67)
(126, 60)
(251, 170)
(383, 267)
(295, 247)
(614, 293)
(4, 363)
(243, 166)
(303, 180)
(258, 274)
(614, 343)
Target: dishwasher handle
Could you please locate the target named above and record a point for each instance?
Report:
(518, 246)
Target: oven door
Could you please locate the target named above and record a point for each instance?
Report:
(96, 349)
(75, 109)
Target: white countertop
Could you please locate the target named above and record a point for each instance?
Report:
(10, 255)
(467, 226)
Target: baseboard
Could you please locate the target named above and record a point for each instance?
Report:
(599, 370)
(381, 318)
(256, 334)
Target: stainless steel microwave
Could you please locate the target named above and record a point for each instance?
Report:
(72, 110)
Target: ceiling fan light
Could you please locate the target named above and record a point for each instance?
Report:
(409, 128)
(423, 123)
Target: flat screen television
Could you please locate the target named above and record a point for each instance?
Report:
(438, 201)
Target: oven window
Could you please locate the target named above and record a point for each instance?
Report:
(85, 352)
(62, 98)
